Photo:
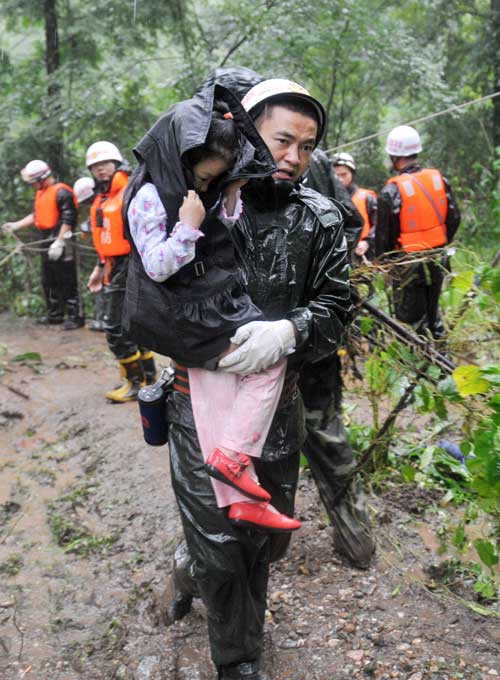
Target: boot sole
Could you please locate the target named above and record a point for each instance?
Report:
(216, 474)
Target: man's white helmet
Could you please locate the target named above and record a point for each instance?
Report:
(35, 171)
(403, 141)
(279, 88)
(102, 151)
(83, 188)
(345, 159)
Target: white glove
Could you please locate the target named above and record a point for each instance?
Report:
(263, 343)
(7, 227)
(56, 249)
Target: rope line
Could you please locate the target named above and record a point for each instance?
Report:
(457, 107)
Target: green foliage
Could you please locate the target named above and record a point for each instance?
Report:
(12, 565)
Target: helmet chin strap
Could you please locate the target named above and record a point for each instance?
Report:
(102, 185)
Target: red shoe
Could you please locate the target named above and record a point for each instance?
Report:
(233, 472)
(259, 516)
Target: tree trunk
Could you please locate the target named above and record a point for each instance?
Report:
(495, 38)
(55, 144)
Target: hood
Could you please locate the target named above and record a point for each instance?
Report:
(185, 126)
(238, 79)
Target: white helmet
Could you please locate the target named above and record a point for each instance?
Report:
(83, 188)
(403, 141)
(35, 171)
(345, 159)
(102, 151)
(279, 88)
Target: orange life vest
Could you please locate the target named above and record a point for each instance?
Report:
(359, 199)
(424, 207)
(106, 219)
(46, 211)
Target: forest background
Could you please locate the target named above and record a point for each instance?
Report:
(73, 72)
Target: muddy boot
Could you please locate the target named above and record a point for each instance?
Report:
(177, 598)
(352, 534)
(133, 379)
(148, 366)
(247, 670)
(331, 462)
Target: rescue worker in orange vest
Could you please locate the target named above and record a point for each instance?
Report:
(137, 366)
(54, 215)
(365, 201)
(417, 212)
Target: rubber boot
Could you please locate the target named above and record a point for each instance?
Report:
(133, 377)
(177, 598)
(148, 366)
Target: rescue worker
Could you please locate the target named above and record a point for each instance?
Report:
(84, 189)
(54, 215)
(294, 257)
(321, 177)
(111, 175)
(329, 455)
(417, 213)
(365, 201)
(327, 449)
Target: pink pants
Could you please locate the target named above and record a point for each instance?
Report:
(236, 412)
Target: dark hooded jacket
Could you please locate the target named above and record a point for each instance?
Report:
(321, 177)
(191, 316)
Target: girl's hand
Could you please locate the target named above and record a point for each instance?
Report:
(192, 213)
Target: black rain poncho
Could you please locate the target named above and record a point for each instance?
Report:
(192, 315)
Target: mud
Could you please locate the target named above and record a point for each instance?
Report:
(88, 524)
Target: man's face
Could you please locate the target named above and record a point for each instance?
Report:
(103, 170)
(344, 175)
(291, 138)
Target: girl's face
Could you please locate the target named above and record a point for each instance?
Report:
(206, 171)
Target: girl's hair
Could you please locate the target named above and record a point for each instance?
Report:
(222, 139)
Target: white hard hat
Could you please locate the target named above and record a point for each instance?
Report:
(102, 151)
(403, 141)
(345, 159)
(83, 188)
(34, 171)
(280, 88)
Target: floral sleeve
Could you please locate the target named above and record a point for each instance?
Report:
(162, 254)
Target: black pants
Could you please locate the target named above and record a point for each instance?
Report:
(230, 566)
(60, 286)
(113, 297)
(416, 293)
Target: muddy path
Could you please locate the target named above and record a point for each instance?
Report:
(88, 524)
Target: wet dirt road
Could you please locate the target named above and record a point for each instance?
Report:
(88, 524)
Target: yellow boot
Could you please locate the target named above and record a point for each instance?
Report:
(148, 366)
(133, 379)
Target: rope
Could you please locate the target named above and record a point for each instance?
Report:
(30, 247)
(413, 122)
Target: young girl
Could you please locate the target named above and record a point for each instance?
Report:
(178, 220)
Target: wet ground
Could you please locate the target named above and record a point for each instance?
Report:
(88, 524)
